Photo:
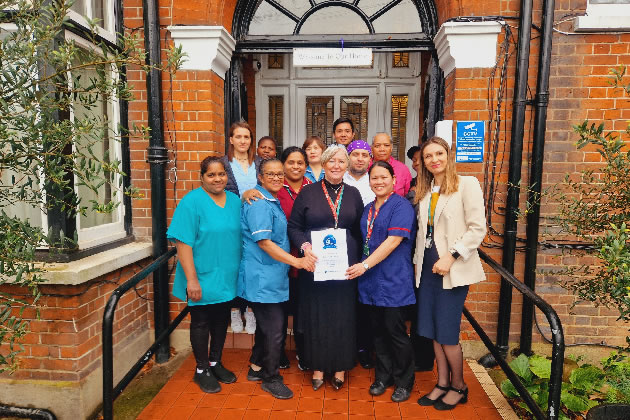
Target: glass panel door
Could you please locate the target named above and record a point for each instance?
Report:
(399, 126)
(319, 117)
(356, 108)
(318, 108)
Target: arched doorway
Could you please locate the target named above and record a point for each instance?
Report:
(400, 93)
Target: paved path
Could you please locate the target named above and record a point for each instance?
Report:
(182, 399)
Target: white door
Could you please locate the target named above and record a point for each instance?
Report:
(294, 103)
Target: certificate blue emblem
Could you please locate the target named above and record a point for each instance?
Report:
(330, 242)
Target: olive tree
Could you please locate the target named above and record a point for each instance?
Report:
(595, 207)
(53, 141)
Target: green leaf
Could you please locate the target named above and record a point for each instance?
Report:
(508, 389)
(520, 366)
(586, 377)
(541, 366)
(576, 403)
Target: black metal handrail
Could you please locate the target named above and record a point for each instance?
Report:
(557, 353)
(110, 393)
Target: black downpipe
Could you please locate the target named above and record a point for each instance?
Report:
(157, 158)
(514, 171)
(536, 171)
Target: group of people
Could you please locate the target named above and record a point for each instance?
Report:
(249, 231)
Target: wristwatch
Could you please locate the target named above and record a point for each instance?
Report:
(366, 266)
(455, 254)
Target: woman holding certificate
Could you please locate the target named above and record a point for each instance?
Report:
(451, 225)
(262, 278)
(324, 222)
(386, 281)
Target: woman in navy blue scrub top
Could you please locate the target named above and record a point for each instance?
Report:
(263, 276)
(386, 281)
(207, 268)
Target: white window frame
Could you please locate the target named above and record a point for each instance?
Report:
(106, 29)
(109, 232)
(604, 17)
(5, 30)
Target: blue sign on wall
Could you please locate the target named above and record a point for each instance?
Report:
(470, 139)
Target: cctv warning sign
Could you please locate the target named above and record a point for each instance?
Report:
(470, 140)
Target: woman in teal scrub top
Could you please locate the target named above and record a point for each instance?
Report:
(207, 267)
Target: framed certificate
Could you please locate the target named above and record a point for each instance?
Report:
(332, 254)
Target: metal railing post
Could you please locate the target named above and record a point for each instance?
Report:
(109, 391)
(557, 352)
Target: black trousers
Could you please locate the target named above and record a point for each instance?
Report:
(208, 321)
(290, 308)
(392, 345)
(268, 338)
(365, 335)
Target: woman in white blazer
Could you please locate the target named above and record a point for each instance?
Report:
(451, 225)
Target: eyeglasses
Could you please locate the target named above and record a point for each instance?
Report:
(277, 175)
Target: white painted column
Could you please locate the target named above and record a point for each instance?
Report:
(467, 45)
(207, 47)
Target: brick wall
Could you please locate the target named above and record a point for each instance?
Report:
(64, 342)
(579, 90)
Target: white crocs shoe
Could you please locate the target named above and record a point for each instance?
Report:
(237, 321)
(250, 323)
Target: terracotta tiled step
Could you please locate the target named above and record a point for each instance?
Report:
(182, 399)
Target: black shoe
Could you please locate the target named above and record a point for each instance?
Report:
(426, 401)
(207, 382)
(222, 374)
(336, 383)
(378, 388)
(441, 405)
(317, 383)
(401, 394)
(278, 389)
(302, 365)
(254, 375)
(284, 362)
(365, 360)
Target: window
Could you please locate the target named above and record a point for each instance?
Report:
(100, 110)
(276, 120)
(319, 118)
(100, 11)
(356, 108)
(293, 17)
(399, 125)
(276, 61)
(603, 16)
(95, 116)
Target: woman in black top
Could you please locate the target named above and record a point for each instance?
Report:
(327, 308)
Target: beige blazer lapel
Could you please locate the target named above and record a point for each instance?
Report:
(441, 204)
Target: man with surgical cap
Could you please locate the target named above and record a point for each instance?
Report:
(360, 155)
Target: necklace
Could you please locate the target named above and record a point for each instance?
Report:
(336, 190)
(334, 207)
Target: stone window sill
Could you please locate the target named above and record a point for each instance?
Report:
(88, 268)
(602, 24)
(604, 16)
